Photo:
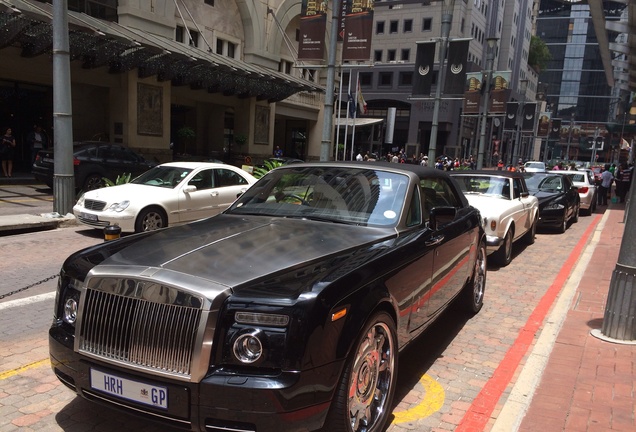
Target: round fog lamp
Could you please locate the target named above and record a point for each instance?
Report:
(70, 311)
(248, 348)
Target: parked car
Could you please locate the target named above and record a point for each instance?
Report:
(584, 181)
(168, 194)
(534, 166)
(92, 161)
(559, 201)
(284, 313)
(509, 212)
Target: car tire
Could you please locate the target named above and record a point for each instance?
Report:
(529, 237)
(92, 181)
(503, 256)
(575, 218)
(564, 224)
(472, 296)
(369, 377)
(150, 219)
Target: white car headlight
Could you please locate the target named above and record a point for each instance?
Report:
(554, 206)
(120, 206)
(80, 201)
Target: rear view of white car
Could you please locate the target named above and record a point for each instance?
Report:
(169, 194)
(584, 180)
(534, 166)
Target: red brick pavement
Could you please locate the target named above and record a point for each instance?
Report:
(589, 384)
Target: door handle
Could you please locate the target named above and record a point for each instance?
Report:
(434, 241)
(214, 193)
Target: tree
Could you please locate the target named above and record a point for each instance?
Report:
(539, 54)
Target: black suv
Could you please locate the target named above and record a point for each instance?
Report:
(92, 161)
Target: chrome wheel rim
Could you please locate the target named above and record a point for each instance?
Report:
(480, 276)
(508, 246)
(372, 376)
(152, 221)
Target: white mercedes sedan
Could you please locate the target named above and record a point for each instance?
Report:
(169, 194)
(509, 213)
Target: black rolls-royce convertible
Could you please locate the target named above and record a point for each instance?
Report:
(284, 313)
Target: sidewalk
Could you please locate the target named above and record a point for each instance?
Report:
(28, 221)
(588, 384)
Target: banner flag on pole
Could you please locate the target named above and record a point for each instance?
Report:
(544, 124)
(529, 114)
(456, 66)
(313, 26)
(499, 92)
(352, 106)
(358, 30)
(472, 92)
(511, 115)
(424, 64)
(555, 130)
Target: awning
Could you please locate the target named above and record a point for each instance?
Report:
(27, 24)
(359, 122)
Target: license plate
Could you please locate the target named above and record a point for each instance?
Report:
(137, 391)
(88, 216)
(47, 160)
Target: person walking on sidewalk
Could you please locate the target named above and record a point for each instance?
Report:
(7, 152)
(623, 180)
(606, 184)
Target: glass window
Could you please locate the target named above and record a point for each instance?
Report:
(391, 55)
(393, 27)
(408, 26)
(226, 177)
(377, 55)
(405, 54)
(203, 180)
(386, 78)
(427, 24)
(406, 78)
(365, 78)
(379, 27)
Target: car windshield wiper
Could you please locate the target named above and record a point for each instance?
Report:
(318, 218)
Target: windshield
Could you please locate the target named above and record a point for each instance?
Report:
(484, 185)
(550, 183)
(163, 176)
(359, 196)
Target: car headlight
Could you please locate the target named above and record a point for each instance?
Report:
(248, 347)
(554, 206)
(120, 206)
(80, 201)
(67, 299)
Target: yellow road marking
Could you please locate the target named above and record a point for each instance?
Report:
(433, 400)
(12, 372)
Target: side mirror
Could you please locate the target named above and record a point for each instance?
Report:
(441, 216)
(189, 188)
(525, 194)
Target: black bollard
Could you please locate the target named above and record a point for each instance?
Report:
(112, 232)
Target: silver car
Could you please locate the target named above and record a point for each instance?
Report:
(583, 179)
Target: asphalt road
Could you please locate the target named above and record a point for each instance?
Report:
(441, 374)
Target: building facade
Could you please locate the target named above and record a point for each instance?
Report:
(142, 73)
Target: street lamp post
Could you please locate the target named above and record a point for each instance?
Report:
(523, 86)
(567, 152)
(327, 126)
(490, 57)
(447, 21)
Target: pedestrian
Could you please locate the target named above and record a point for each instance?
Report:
(424, 161)
(278, 152)
(500, 165)
(359, 157)
(606, 184)
(623, 181)
(7, 152)
(37, 141)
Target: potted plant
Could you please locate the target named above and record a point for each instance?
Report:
(185, 135)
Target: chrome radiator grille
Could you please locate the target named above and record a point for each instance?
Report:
(126, 328)
(94, 204)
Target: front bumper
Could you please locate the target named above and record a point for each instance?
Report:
(493, 243)
(102, 219)
(222, 401)
(551, 218)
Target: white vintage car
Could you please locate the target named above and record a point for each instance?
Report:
(508, 211)
(168, 194)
